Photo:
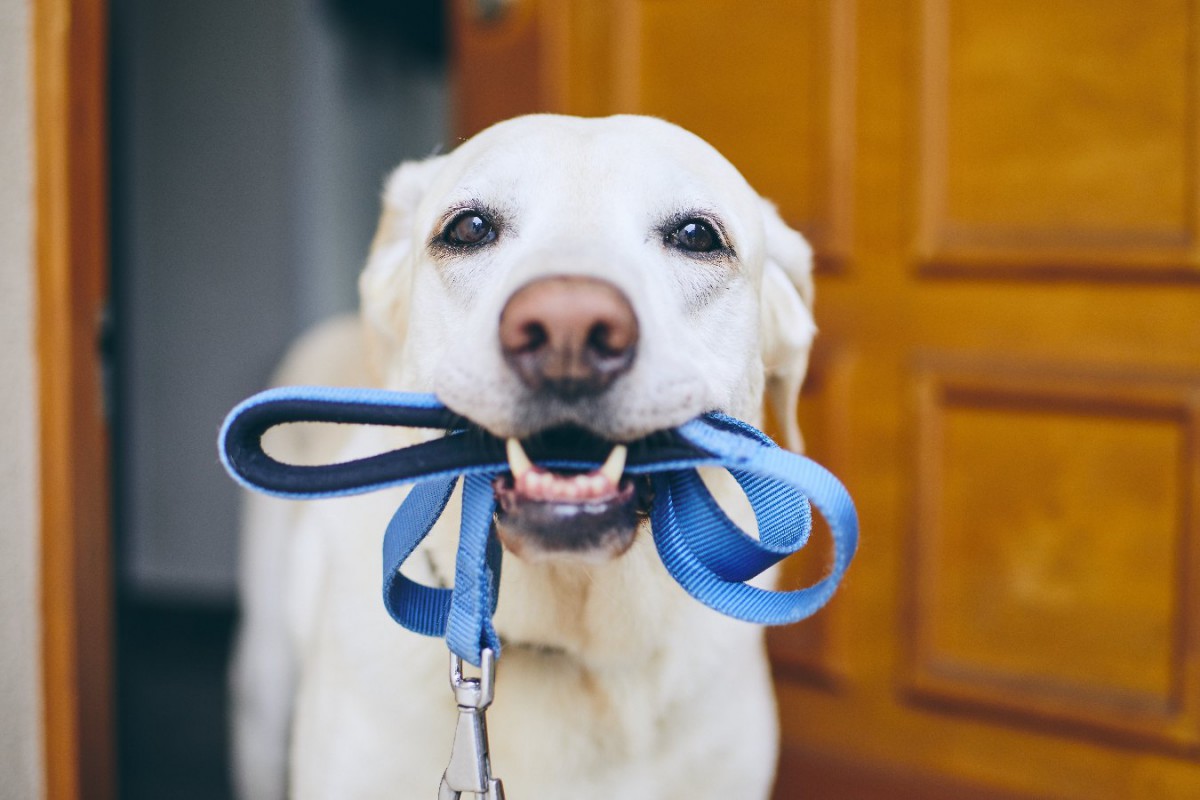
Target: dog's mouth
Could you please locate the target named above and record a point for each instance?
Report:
(545, 513)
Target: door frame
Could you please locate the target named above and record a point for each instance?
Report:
(70, 99)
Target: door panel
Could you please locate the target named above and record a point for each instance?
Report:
(1005, 199)
(1049, 552)
(1059, 135)
(806, 86)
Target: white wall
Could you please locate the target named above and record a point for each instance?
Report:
(20, 687)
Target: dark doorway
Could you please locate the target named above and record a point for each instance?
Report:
(249, 144)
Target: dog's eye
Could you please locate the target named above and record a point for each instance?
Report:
(468, 229)
(695, 236)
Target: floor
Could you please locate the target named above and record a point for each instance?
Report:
(171, 701)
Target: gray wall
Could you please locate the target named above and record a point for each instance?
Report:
(20, 685)
(250, 144)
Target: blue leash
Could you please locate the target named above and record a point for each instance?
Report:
(701, 548)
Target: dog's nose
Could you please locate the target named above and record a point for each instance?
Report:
(570, 336)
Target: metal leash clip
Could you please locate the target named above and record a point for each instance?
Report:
(470, 768)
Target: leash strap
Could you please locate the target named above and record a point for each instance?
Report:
(701, 548)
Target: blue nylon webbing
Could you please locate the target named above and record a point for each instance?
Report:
(701, 548)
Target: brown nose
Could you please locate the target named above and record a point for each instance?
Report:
(569, 336)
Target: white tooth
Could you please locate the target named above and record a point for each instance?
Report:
(614, 465)
(533, 487)
(518, 462)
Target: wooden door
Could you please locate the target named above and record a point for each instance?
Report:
(1005, 199)
(69, 39)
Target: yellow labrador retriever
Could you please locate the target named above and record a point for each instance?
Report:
(613, 274)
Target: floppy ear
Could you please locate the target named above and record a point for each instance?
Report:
(385, 285)
(787, 321)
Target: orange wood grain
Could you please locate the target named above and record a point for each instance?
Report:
(70, 68)
(1088, 485)
(1104, 183)
(504, 60)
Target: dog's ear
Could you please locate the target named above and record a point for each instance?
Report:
(787, 322)
(385, 285)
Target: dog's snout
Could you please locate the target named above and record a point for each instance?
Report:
(569, 336)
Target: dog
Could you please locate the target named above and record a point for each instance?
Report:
(614, 275)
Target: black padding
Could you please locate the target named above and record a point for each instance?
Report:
(461, 449)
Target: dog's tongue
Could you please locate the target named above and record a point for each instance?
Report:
(532, 482)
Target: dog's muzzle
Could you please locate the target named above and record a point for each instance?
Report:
(567, 338)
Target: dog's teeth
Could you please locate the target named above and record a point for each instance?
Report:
(538, 484)
(583, 486)
(518, 462)
(614, 465)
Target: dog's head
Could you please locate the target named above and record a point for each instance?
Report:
(588, 277)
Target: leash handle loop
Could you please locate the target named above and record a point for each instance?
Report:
(700, 547)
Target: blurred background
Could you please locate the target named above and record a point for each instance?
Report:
(249, 146)
(1004, 199)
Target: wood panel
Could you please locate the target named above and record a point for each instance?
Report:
(807, 82)
(813, 776)
(69, 74)
(504, 61)
(1054, 549)
(1061, 137)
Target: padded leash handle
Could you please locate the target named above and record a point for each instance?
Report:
(464, 450)
(243, 455)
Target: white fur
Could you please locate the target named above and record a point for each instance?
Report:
(613, 683)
